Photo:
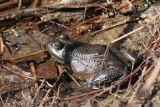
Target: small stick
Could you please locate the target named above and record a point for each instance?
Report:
(35, 54)
(33, 70)
(132, 1)
(73, 79)
(7, 68)
(6, 4)
(2, 100)
(19, 4)
(126, 35)
(37, 3)
(84, 22)
(1, 45)
(78, 34)
(82, 95)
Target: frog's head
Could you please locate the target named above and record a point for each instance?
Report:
(57, 48)
(62, 48)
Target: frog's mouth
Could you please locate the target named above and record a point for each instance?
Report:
(57, 54)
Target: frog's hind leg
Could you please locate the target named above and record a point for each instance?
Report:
(107, 77)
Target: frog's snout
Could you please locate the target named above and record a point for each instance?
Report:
(56, 50)
(49, 47)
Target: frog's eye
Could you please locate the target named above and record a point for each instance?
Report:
(64, 37)
(58, 45)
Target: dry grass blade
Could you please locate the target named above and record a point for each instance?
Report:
(1, 45)
(153, 76)
(134, 98)
(38, 90)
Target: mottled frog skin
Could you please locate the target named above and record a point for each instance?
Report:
(97, 64)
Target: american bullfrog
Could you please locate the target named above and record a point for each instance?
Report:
(94, 63)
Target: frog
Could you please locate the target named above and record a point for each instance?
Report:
(95, 64)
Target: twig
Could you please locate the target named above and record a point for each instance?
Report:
(6, 4)
(84, 22)
(128, 34)
(132, 1)
(37, 12)
(1, 45)
(37, 3)
(2, 100)
(82, 95)
(19, 4)
(7, 68)
(32, 55)
(74, 36)
(73, 79)
(33, 70)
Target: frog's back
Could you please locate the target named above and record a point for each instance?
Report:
(96, 63)
(87, 57)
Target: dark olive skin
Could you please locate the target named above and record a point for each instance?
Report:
(89, 62)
